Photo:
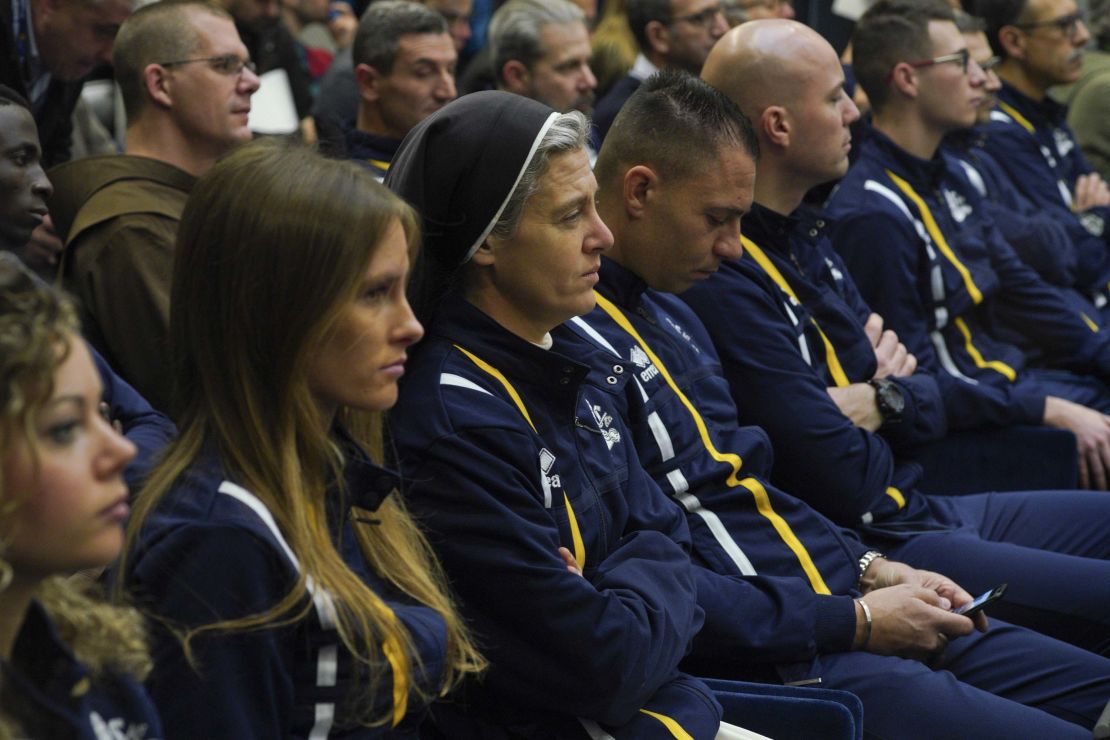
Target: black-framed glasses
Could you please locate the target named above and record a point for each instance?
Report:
(1066, 24)
(702, 18)
(960, 57)
(225, 64)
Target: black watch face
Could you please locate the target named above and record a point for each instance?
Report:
(892, 397)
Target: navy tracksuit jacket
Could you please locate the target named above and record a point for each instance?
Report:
(926, 256)
(1036, 148)
(510, 451)
(39, 687)
(778, 573)
(212, 551)
(684, 423)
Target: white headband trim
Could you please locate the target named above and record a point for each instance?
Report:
(504, 204)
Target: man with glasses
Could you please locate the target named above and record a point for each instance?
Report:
(1041, 44)
(187, 83)
(670, 33)
(1038, 235)
(1088, 100)
(925, 255)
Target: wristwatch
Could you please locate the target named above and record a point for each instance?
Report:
(889, 399)
(865, 563)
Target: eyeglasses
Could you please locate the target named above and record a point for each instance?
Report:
(225, 64)
(989, 65)
(703, 18)
(960, 57)
(1065, 24)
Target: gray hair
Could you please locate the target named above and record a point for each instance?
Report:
(383, 24)
(514, 32)
(567, 133)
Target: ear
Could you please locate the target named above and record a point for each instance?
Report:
(158, 85)
(774, 124)
(368, 80)
(517, 77)
(1013, 41)
(904, 80)
(658, 37)
(640, 186)
(483, 256)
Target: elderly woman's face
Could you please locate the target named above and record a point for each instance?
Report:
(545, 273)
(72, 504)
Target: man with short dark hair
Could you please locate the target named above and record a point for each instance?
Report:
(541, 50)
(187, 83)
(404, 63)
(670, 33)
(1041, 45)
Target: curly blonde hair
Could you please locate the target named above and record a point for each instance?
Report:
(37, 325)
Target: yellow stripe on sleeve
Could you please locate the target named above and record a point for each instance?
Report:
(1088, 321)
(836, 370)
(575, 534)
(895, 494)
(977, 357)
(672, 726)
(762, 500)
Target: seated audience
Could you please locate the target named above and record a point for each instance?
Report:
(187, 83)
(70, 665)
(612, 45)
(1041, 44)
(1088, 97)
(669, 33)
(457, 15)
(947, 282)
(839, 396)
(320, 28)
(776, 579)
(1040, 239)
(570, 564)
(404, 64)
(294, 596)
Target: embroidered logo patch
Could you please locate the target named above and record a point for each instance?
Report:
(604, 423)
(957, 205)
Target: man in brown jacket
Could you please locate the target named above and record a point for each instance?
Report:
(187, 82)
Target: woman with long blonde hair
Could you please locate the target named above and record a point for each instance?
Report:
(295, 596)
(70, 664)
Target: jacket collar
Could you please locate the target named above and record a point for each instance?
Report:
(367, 483)
(769, 229)
(365, 145)
(460, 322)
(1045, 113)
(620, 284)
(41, 663)
(926, 173)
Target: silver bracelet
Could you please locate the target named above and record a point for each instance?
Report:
(867, 619)
(865, 563)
